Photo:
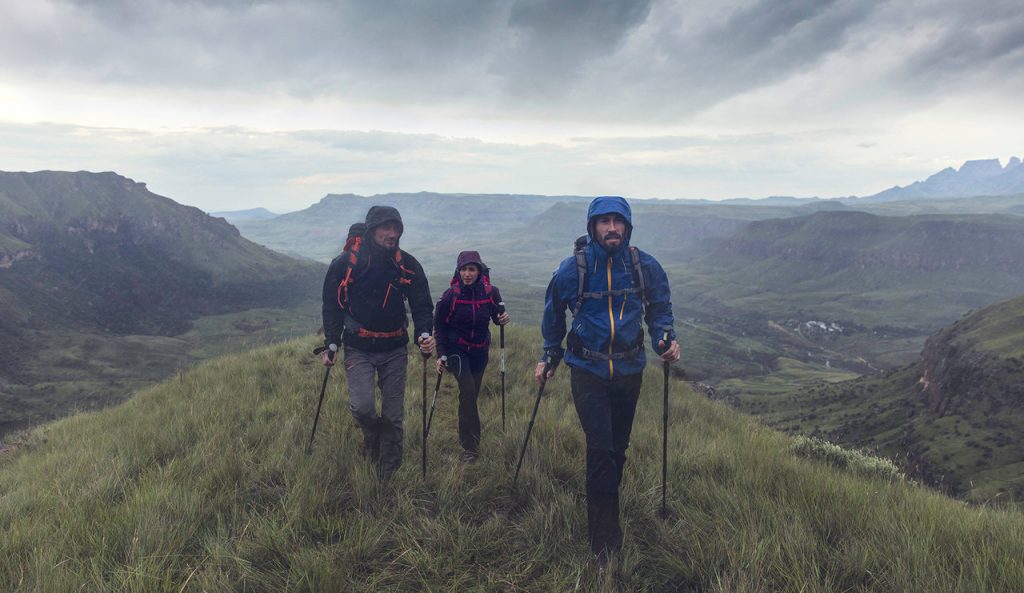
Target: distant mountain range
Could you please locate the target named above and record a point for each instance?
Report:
(974, 178)
(233, 216)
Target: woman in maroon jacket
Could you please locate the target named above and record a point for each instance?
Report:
(461, 324)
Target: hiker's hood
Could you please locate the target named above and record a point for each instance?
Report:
(378, 215)
(471, 257)
(609, 205)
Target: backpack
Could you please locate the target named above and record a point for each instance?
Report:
(454, 288)
(639, 286)
(350, 256)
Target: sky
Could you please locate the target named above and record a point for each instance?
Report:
(234, 104)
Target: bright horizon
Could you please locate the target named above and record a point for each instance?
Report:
(228, 105)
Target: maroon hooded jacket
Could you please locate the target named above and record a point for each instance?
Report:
(463, 316)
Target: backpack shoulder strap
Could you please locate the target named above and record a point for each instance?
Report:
(404, 274)
(349, 258)
(638, 276)
(579, 251)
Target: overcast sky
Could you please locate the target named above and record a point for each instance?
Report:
(231, 104)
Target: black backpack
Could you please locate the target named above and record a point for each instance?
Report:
(351, 259)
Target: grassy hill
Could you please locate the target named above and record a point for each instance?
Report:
(201, 484)
(954, 418)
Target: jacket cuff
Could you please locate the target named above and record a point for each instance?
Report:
(657, 338)
(553, 355)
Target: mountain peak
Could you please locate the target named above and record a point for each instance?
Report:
(981, 168)
(981, 177)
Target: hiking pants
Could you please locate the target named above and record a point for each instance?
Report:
(382, 432)
(606, 409)
(468, 368)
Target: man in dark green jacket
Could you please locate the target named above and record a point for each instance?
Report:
(364, 297)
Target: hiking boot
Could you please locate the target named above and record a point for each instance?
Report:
(370, 448)
(468, 456)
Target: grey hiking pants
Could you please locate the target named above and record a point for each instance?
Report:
(381, 433)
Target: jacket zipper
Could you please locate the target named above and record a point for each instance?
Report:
(611, 318)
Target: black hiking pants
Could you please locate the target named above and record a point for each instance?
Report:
(468, 366)
(606, 409)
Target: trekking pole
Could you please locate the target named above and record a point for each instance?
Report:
(529, 428)
(323, 388)
(426, 356)
(433, 402)
(501, 329)
(664, 429)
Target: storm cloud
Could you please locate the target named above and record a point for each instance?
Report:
(636, 61)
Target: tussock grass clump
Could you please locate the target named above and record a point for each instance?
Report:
(854, 460)
(201, 484)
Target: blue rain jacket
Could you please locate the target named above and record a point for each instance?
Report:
(610, 324)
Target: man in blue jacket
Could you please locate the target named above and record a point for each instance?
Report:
(621, 286)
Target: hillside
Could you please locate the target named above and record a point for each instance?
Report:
(100, 250)
(99, 278)
(201, 484)
(955, 418)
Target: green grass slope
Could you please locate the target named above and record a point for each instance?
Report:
(201, 484)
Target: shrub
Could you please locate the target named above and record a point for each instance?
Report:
(853, 460)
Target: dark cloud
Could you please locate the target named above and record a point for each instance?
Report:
(550, 41)
(627, 60)
(967, 43)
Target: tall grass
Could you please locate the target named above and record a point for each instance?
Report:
(202, 484)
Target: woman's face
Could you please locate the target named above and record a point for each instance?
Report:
(468, 273)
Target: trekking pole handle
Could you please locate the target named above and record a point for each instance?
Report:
(664, 338)
(333, 348)
(424, 336)
(547, 367)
